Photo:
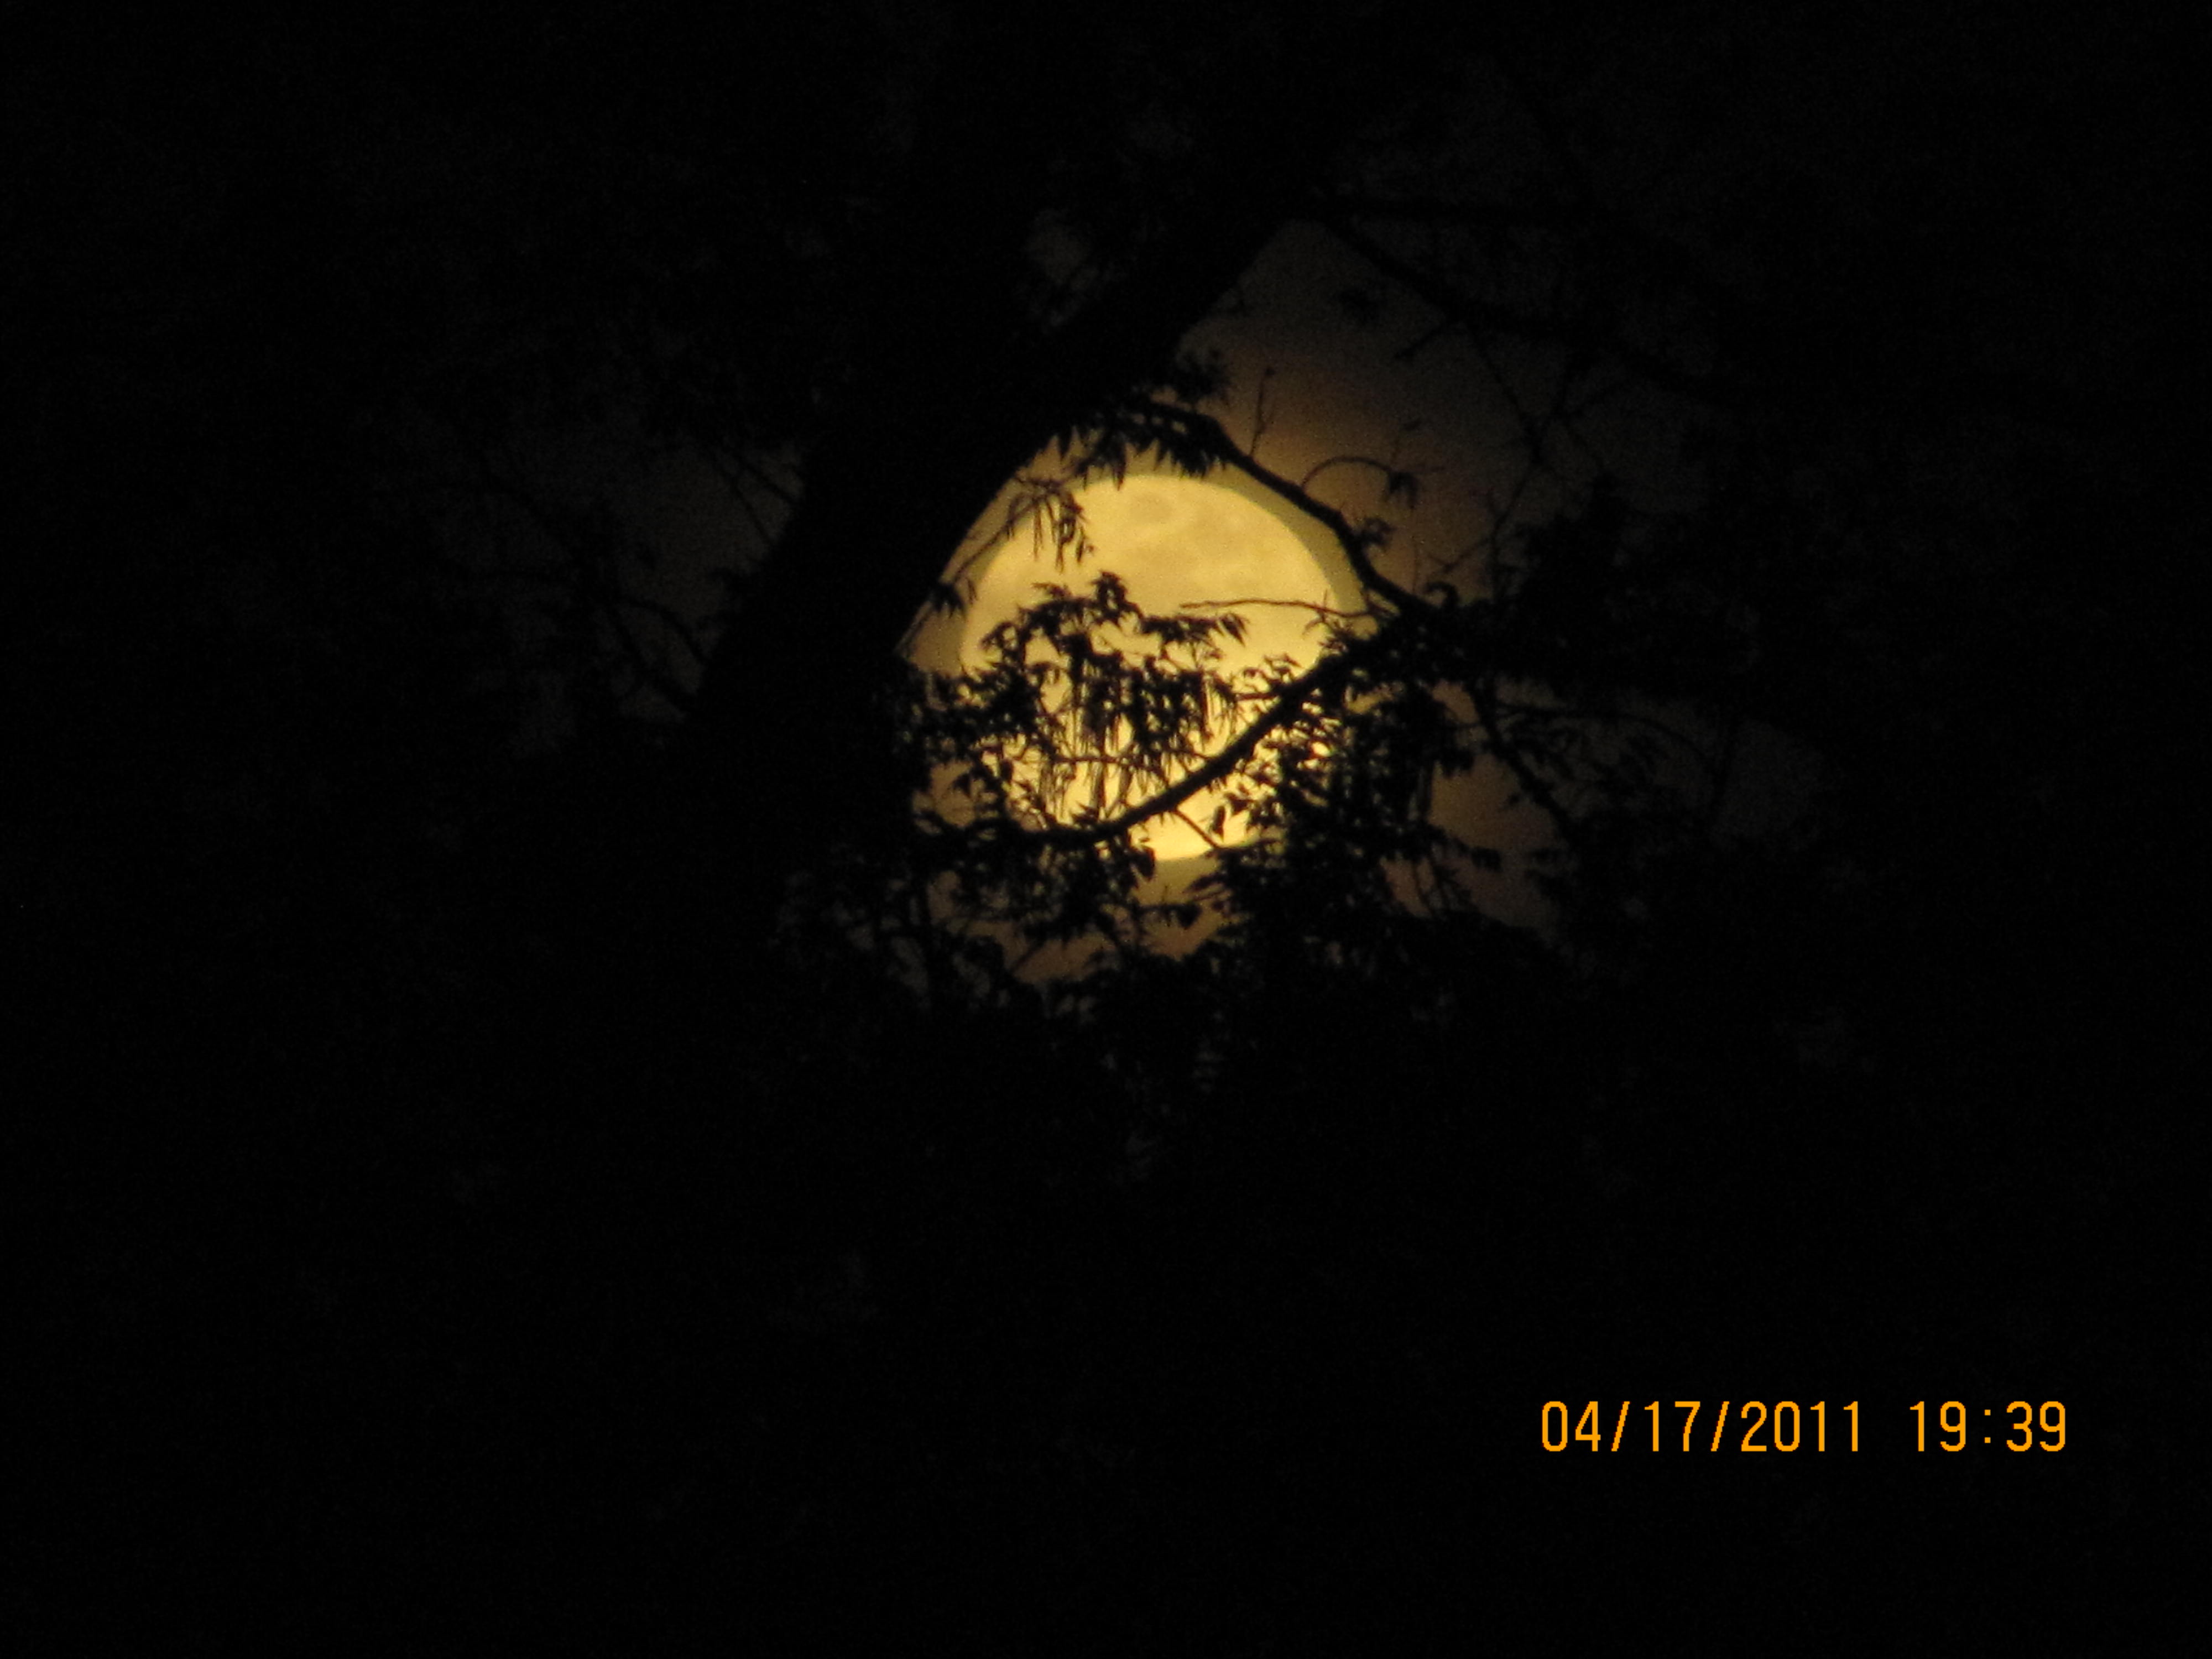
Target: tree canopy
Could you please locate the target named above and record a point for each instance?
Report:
(547, 1096)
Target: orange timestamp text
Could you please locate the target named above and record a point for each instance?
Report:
(1757, 1426)
(1783, 1425)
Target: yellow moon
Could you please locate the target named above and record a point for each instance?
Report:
(1176, 543)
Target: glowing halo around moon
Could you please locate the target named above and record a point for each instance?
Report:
(1177, 543)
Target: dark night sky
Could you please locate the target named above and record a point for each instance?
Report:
(458, 1229)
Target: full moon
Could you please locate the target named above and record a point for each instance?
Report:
(1178, 545)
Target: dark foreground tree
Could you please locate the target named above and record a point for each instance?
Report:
(533, 1171)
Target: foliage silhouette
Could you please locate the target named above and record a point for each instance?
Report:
(538, 1115)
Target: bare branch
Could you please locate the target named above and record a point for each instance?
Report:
(1207, 433)
(1327, 674)
(1477, 314)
